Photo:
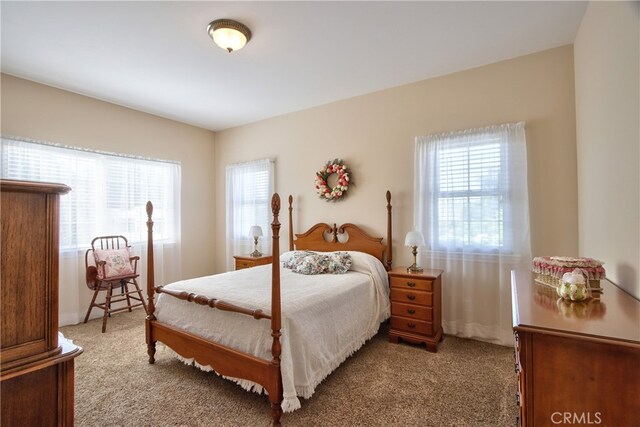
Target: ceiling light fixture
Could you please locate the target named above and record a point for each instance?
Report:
(228, 34)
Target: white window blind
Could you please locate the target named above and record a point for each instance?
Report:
(249, 187)
(108, 192)
(471, 194)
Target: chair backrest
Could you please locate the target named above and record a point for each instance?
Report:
(102, 243)
(109, 242)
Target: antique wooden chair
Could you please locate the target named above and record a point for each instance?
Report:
(109, 265)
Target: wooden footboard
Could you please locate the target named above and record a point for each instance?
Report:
(224, 360)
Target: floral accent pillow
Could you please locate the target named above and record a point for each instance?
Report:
(307, 262)
(338, 262)
(296, 257)
(116, 263)
(311, 264)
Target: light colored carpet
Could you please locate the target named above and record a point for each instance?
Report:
(467, 383)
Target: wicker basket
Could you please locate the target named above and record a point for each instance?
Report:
(551, 280)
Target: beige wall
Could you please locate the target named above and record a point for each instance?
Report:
(375, 134)
(40, 112)
(607, 58)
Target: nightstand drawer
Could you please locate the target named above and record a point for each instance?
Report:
(412, 297)
(411, 283)
(249, 261)
(413, 311)
(241, 263)
(411, 325)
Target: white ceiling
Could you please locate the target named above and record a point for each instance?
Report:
(157, 56)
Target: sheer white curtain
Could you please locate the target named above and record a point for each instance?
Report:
(108, 196)
(471, 205)
(249, 189)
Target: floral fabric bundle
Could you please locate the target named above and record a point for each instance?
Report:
(296, 258)
(307, 262)
(338, 262)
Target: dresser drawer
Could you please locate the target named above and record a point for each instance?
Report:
(411, 283)
(411, 325)
(516, 353)
(412, 297)
(412, 311)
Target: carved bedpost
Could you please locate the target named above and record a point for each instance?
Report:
(389, 232)
(151, 345)
(276, 348)
(290, 222)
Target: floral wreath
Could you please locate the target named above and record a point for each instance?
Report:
(340, 190)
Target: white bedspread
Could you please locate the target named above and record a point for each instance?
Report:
(325, 318)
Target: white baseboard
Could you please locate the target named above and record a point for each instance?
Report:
(65, 319)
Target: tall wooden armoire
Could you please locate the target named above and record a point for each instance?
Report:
(36, 364)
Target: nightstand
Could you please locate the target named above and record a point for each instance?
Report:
(416, 307)
(247, 261)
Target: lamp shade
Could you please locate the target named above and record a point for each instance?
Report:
(228, 34)
(255, 231)
(414, 238)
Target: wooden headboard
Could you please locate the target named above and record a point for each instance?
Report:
(355, 238)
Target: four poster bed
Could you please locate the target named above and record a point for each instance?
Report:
(323, 319)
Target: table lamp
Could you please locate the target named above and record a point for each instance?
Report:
(414, 239)
(255, 231)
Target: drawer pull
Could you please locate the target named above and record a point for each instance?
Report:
(411, 311)
(411, 325)
(411, 284)
(411, 297)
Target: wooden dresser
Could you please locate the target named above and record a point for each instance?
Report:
(36, 364)
(577, 363)
(416, 301)
(247, 261)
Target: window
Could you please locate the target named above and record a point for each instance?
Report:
(248, 199)
(467, 184)
(108, 192)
